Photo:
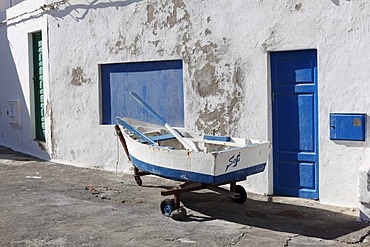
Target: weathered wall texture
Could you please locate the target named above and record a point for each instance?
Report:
(225, 51)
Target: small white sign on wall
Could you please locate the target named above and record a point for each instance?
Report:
(13, 112)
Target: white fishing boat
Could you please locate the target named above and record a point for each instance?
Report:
(202, 161)
(213, 160)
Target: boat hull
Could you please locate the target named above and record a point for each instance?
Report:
(181, 175)
(217, 167)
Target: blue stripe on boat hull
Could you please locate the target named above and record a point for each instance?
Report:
(180, 175)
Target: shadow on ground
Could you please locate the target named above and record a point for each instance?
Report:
(287, 215)
(9, 154)
(276, 216)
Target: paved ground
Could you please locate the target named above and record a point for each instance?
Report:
(49, 204)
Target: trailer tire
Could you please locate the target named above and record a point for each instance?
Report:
(138, 180)
(243, 194)
(168, 206)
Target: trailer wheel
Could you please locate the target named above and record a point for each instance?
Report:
(243, 194)
(138, 180)
(168, 206)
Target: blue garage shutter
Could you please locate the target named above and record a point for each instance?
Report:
(159, 83)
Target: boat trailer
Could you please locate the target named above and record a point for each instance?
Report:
(171, 207)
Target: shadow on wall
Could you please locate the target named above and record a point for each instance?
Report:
(9, 89)
(59, 10)
(14, 132)
(10, 86)
(336, 2)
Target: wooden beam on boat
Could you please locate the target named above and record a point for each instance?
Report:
(186, 143)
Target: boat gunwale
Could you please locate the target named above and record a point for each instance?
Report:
(231, 145)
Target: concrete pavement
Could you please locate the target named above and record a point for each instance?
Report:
(49, 204)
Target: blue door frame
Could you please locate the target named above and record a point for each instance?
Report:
(295, 123)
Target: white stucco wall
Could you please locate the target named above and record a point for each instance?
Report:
(16, 76)
(225, 50)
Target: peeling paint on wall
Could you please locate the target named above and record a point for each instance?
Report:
(122, 46)
(205, 82)
(219, 83)
(269, 42)
(298, 6)
(293, 5)
(211, 121)
(150, 13)
(118, 46)
(47, 109)
(78, 77)
(223, 117)
(174, 12)
(220, 119)
(172, 19)
(237, 78)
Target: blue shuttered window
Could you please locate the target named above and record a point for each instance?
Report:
(159, 83)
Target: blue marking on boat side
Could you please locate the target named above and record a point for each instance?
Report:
(157, 138)
(217, 138)
(180, 175)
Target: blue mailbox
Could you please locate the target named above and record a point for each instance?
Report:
(348, 126)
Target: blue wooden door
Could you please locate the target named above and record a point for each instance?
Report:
(294, 109)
